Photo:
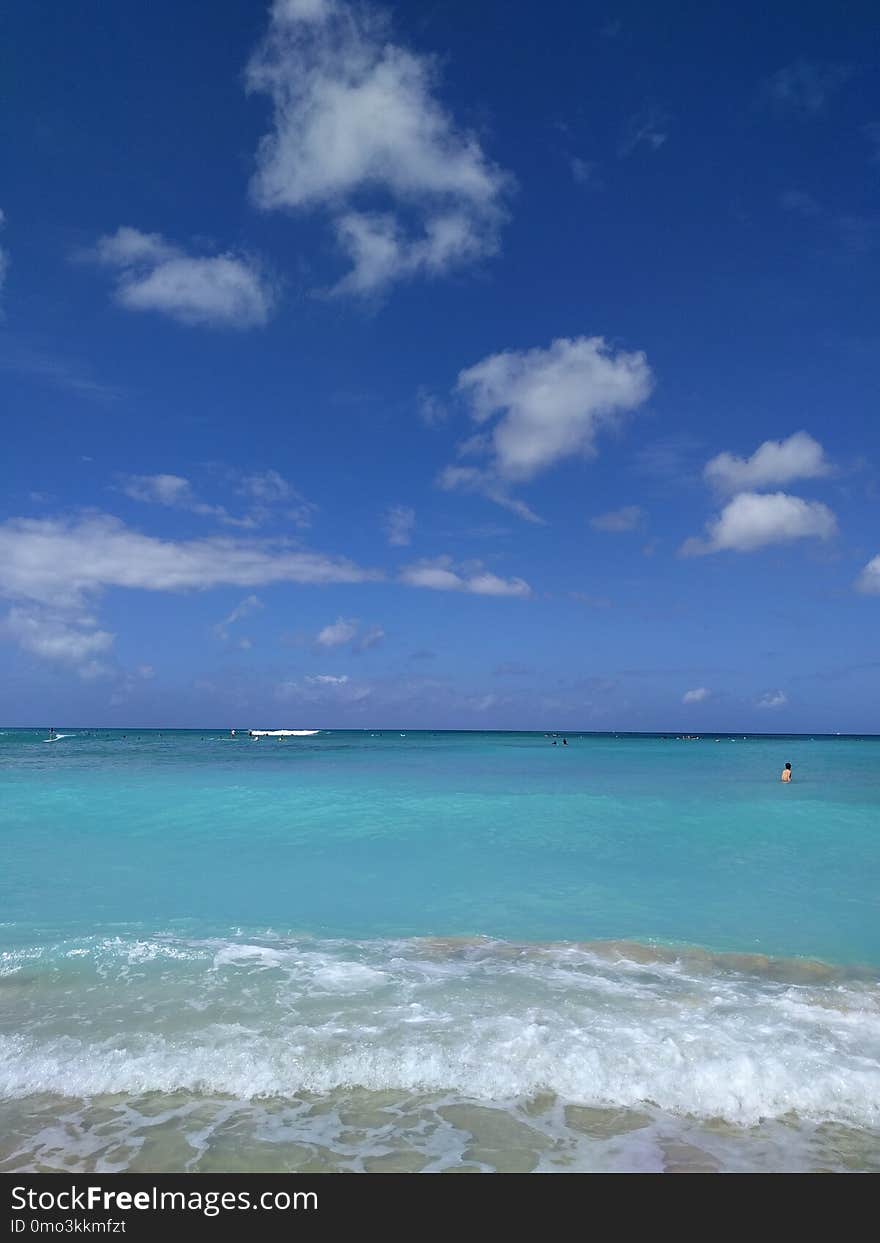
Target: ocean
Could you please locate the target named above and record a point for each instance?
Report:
(429, 951)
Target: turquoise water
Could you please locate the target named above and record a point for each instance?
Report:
(502, 835)
(234, 951)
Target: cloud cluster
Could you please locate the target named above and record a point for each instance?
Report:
(266, 491)
(537, 407)
(359, 132)
(440, 574)
(697, 696)
(54, 569)
(751, 520)
(152, 274)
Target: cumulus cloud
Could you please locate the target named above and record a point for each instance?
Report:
(225, 290)
(697, 696)
(773, 462)
(398, 523)
(359, 132)
(537, 407)
(441, 575)
(772, 699)
(753, 520)
(868, 581)
(628, 518)
(338, 633)
(803, 87)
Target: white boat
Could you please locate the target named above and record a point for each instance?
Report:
(283, 733)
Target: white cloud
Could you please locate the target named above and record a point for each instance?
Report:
(153, 275)
(52, 570)
(64, 562)
(346, 630)
(439, 575)
(355, 118)
(266, 489)
(324, 689)
(342, 631)
(266, 486)
(752, 520)
(628, 518)
(697, 696)
(471, 479)
(552, 403)
(868, 581)
(74, 641)
(772, 699)
(399, 523)
(172, 491)
(249, 605)
(773, 462)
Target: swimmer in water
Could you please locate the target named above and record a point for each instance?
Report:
(786, 773)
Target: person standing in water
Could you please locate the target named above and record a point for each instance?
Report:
(786, 773)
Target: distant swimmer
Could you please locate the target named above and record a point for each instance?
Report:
(565, 742)
(786, 773)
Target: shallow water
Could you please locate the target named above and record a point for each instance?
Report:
(439, 952)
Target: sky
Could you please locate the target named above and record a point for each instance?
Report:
(440, 365)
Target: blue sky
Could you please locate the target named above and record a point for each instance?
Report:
(441, 365)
